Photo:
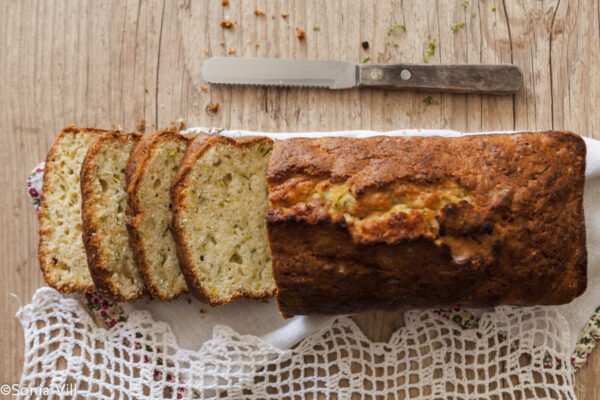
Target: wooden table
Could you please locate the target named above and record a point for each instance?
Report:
(103, 63)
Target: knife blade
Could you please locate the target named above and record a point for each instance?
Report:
(460, 78)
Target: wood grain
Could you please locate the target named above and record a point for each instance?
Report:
(103, 63)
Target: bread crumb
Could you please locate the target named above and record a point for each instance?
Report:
(203, 87)
(259, 12)
(222, 43)
(145, 90)
(205, 51)
(365, 45)
(181, 124)
(225, 3)
(226, 24)
(300, 33)
(141, 126)
(189, 301)
(231, 51)
(213, 107)
(203, 311)
(257, 45)
(285, 15)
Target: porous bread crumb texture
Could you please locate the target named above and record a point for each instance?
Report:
(105, 200)
(222, 220)
(61, 253)
(160, 265)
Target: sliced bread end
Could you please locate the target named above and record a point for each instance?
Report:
(61, 253)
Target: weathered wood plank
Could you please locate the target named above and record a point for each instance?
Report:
(103, 63)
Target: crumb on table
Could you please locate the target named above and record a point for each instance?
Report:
(203, 87)
(259, 12)
(225, 3)
(213, 107)
(231, 51)
(226, 23)
(300, 33)
(141, 126)
(203, 311)
(285, 15)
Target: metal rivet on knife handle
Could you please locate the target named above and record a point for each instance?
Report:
(405, 75)
(375, 74)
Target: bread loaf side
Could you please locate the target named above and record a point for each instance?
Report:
(384, 222)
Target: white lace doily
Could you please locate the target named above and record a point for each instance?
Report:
(430, 357)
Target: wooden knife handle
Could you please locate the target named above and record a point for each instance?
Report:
(461, 78)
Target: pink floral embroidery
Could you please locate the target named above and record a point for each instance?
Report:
(34, 185)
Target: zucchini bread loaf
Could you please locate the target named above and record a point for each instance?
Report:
(383, 222)
(104, 201)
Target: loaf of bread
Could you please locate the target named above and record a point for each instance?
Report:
(383, 222)
(219, 225)
(104, 201)
(150, 172)
(61, 253)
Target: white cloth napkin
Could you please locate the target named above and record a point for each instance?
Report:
(193, 327)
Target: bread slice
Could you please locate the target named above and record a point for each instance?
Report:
(150, 172)
(60, 252)
(219, 219)
(104, 200)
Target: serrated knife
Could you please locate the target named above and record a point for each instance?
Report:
(460, 78)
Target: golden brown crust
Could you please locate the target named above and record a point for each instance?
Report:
(93, 247)
(200, 145)
(382, 222)
(135, 169)
(43, 228)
